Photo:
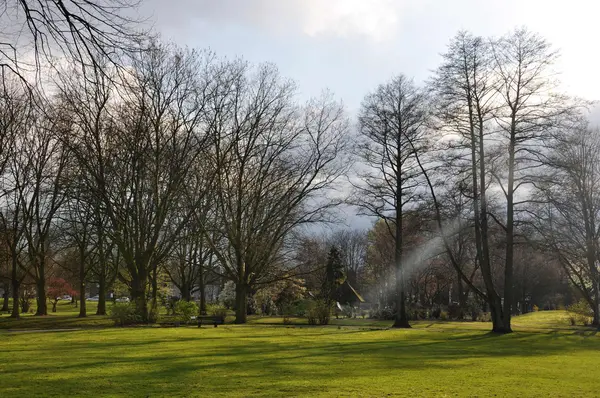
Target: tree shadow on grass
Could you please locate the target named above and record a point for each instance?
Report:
(223, 362)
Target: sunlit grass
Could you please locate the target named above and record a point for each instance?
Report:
(433, 359)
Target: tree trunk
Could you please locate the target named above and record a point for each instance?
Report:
(82, 307)
(5, 297)
(241, 302)
(54, 306)
(596, 307)
(186, 292)
(153, 314)
(401, 318)
(202, 299)
(42, 304)
(101, 295)
(25, 305)
(138, 295)
(202, 293)
(509, 263)
(497, 318)
(15, 296)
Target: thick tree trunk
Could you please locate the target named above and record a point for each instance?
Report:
(186, 292)
(241, 303)
(15, 296)
(42, 302)
(401, 318)
(82, 306)
(101, 296)
(153, 313)
(138, 295)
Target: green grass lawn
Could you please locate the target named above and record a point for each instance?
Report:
(545, 357)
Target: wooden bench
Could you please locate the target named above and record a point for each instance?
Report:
(171, 323)
(208, 319)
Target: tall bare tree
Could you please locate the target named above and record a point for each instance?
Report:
(392, 129)
(138, 143)
(529, 109)
(567, 213)
(464, 91)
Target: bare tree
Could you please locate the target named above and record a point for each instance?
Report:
(464, 90)
(277, 165)
(567, 216)
(39, 31)
(138, 143)
(528, 110)
(353, 246)
(42, 194)
(392, 128)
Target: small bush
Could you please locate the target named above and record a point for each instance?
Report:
(286, 311)
(455, 311)
(318, 312)
(572, 320)
(436, 313)
(153, 314)
(123, 314)
(216, 310)
(581, 312)
(185, 310)
(384, 314)
(349, 311)
(535, 308)
(484, 317)
(444, 316)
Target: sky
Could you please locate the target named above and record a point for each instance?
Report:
(351, 46)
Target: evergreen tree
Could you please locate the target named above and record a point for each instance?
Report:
(334, 275)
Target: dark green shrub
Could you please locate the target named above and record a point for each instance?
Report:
(123, 314)
(216, 310)
(384, 314)
(185, 310)
(318, 312)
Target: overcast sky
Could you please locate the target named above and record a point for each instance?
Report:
(350, 46)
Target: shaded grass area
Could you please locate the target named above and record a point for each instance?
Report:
(266, 361)
(64, 317)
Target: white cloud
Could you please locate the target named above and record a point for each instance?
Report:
(375, 19)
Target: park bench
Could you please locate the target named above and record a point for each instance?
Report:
(170, 323)
(208, 319)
